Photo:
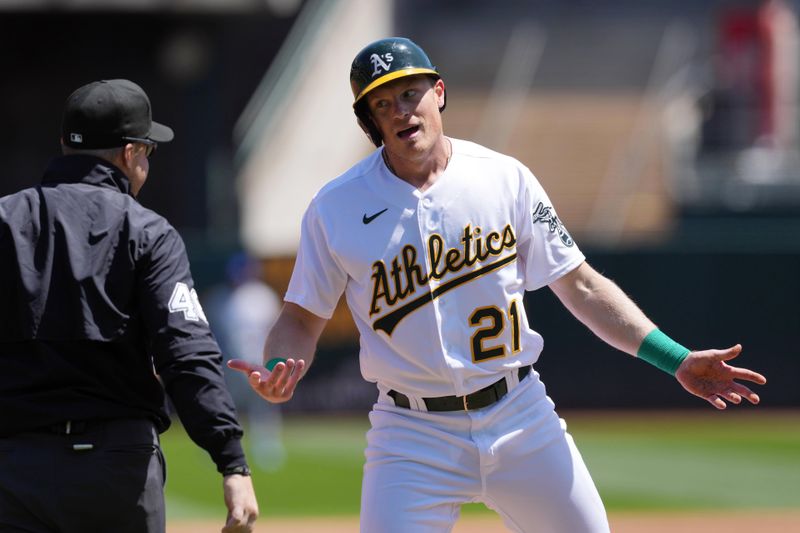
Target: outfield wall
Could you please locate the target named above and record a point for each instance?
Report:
(703, 300)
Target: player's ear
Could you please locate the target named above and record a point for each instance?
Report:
(441, 94)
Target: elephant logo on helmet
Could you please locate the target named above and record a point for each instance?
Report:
(381, 62)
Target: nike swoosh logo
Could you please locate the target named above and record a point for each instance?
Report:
(368, 219)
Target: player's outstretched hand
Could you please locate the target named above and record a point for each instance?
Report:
(706, 375)
(276, 386)
(240, 499)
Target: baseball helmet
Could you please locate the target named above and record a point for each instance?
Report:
(380, 62)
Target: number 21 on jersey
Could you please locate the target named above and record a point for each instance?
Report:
(490, 322)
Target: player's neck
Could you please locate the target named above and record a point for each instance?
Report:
(423, 172)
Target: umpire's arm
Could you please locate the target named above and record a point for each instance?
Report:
(187, 358)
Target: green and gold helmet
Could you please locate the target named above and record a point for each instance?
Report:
(381, 62)
(386, 60)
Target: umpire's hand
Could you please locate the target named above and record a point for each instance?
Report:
(240, 499)
(707, 375)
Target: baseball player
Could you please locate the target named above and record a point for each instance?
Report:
(434, 241)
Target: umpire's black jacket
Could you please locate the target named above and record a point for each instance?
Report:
(96, 303)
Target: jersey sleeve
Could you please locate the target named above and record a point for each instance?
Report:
(318, 279)
(185, 354)
(173, 317)
(546, 249)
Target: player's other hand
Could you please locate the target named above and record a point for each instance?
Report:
(277, 386)
(706, 375)
(240, 499)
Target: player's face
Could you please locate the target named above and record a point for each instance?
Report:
(406, 112)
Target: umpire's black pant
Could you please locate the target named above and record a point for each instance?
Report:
(83, 477)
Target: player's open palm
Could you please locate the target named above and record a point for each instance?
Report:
(707, 375)
(276, 386)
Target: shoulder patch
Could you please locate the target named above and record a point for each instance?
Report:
(546, 215)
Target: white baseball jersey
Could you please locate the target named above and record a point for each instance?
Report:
(434, 279)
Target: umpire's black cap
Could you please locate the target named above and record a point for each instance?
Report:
(110, 113)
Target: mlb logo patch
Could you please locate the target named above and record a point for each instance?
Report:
(76, 137)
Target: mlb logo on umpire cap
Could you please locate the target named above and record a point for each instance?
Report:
(110, 113)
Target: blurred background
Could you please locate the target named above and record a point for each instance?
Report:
(665, 132)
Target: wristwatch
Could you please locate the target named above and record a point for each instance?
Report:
(242, 470)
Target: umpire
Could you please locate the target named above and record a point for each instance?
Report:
(98, 319)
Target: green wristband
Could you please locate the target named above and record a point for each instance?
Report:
(274, 361)
(662, 352)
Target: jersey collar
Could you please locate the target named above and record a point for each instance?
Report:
(86, 169)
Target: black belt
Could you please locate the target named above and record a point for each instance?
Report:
(70, 427)
(78, 427)
(477, 400)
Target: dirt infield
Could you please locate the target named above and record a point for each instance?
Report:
(764, 521)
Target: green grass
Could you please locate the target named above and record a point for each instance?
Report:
(705, 460)
(644, 461)
(321, 475)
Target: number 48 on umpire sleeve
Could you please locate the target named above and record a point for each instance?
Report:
(491, 322)
(185, 300)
